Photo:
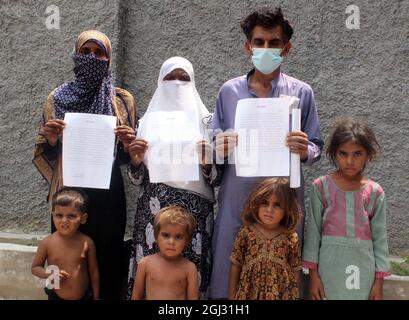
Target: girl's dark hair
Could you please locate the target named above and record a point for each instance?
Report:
(267, 18)
(68, 196)
(352, 130)
(279, 187)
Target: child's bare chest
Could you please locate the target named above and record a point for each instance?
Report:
(67, 256)
(167, 276)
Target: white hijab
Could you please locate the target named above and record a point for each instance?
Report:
(177, 95)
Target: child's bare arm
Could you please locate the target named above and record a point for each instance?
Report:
(192, 282)
(297, 275)
(316, 287)
(93, 268)
(377, 290)
(37, 266)
(139, 284)
(234, 277)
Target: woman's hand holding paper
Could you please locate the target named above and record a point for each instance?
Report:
(52, 130)
(126, 135)
(137, 149)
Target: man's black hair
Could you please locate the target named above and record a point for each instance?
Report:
(267, 18)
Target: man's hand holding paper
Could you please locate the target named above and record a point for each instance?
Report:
(297, 141)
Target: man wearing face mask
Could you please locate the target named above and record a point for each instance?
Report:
(268, 43)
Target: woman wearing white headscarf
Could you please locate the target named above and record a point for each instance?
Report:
(176, 91)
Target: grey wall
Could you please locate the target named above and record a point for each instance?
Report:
(353, 72)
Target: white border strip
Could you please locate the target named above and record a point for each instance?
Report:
(17, 247)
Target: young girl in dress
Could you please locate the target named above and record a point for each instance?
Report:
(345, 245)
(266, 258)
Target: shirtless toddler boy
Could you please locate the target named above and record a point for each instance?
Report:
(167, 275)
(67, 251)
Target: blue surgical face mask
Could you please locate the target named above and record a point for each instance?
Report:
(266, 60)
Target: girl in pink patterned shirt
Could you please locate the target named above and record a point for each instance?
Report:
(345, 247)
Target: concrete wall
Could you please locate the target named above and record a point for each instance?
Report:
(353, 72)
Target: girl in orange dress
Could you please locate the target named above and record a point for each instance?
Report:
(266, 257)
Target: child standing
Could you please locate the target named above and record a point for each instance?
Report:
(345, 246)
(266, 258)
(167, 275)
(69, 251)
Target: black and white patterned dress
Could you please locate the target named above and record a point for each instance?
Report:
(152, 198)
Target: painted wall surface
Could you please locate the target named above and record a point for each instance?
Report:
(357, 72)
